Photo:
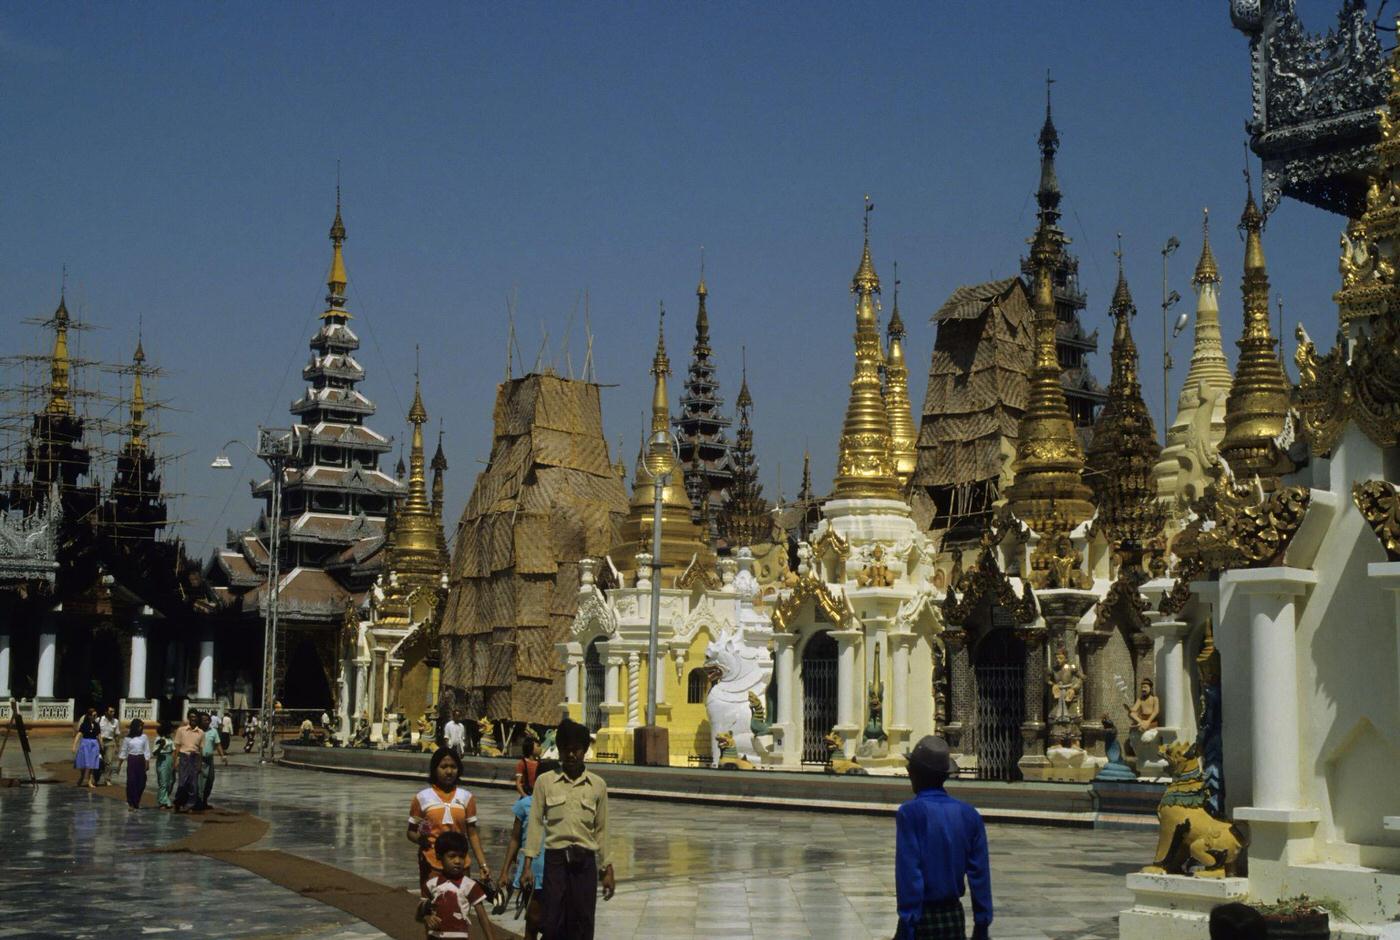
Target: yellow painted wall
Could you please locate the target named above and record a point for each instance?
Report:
(688, 725)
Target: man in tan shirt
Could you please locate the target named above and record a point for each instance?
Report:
(189, 745)
(569, 821)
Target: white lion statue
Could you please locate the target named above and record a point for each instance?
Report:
(736, 670)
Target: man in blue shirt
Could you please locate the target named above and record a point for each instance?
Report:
(939, 842)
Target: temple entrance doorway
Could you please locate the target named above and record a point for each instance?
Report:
(306, 685)
(818, 696)
(999, 669)
(593, 687)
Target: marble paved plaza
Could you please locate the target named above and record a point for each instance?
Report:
(78, 865)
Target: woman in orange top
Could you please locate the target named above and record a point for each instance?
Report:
(440, 807)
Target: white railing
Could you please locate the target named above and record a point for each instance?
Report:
(48, 710)
(145, 710)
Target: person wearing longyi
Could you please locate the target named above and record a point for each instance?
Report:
(940, 843)
(569, 826)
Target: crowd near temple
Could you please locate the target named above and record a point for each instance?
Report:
(1025, 564)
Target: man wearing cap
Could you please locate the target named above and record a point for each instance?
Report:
(939, 842)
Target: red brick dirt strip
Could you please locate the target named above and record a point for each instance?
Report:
(224, 836)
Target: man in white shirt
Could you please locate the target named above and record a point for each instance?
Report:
(454, 734)
(107, 728)
(226, 730)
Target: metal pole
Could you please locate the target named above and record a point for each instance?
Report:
(1166, 353)
(274, 578)
(658, 485)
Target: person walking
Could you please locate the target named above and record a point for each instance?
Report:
(163, 751)
(569, 822)
(526, 768)
(108, 726)
(189, 749)
(454, 735)
(531, 890)
(226, 731)
(440, 807)
(210, 747)
(136, 752)
(87, 752)
(939, 843)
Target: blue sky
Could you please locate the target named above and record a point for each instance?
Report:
(181, 160)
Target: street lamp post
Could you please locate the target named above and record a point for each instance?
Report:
(663, 445)
(1170, 298)
(279, 448)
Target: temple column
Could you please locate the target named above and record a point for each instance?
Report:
(1168, 637)
(1281, 824)
(571, 674)
(846, 724)
(4, 665)
(785, 673)
(1272, 595)
(962, 692)
(204, 688)
(1062, 609)
(634, 689)
(612, 680)
(1385, 574)
(136, 672)
(48, 660)
(899, 683)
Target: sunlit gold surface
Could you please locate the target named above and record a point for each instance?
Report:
(1379, 504)
(336, 279)
(414, 555)
(1257, 407)
(903, 436)
(138, 400)
(865, 467)
(59, 364)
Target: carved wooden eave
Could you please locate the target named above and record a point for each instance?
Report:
(1124, 603)
(1379, 504)
(832, 542)
(815, 590)
(1365, 388)
(595, 616)
(987, 582)
(920, 607)
(1315, 100)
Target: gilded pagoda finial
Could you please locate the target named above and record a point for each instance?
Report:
(1047, 195)
(1257, 408)
(702, 315)
(903, 436)
(337, 280)
(415, 555)
(1206, 271)
(60, 366)
(865, 468)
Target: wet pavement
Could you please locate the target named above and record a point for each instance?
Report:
(77, 865)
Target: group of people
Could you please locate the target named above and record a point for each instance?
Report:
(183, 757)
(560, 823)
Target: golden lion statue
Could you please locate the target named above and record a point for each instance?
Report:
(729, 758)
(1188, 832)
(837, 762)
(487, 731)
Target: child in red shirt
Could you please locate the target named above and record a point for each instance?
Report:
(452, 895)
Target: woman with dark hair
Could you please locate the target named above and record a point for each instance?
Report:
(87, 753)
(440, 807)
(164, 752)
(136, 751)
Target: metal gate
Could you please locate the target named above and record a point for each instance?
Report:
(1000, 672)
(818, 696)
(593, 687)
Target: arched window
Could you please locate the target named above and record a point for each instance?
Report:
(697, 686)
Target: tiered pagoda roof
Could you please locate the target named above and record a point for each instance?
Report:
(705, 452)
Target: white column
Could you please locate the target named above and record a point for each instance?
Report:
(1168, 637)
(204, 690)
(786, 675)
(136, 674)
(4, 665)
(1386, 575)
(899, 681)
(1274, 716)
(48, 656)
(571, 671)
(845, 680)
(612, 680)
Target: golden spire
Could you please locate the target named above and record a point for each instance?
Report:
(903, 437)
(1049, 493)
(60, 366)
(439, 466)
(865, 467)
(1206, 271)
(702, 316)
(138, 399)
(1124, 447)
(414, 554)
(337, 280)
(1258, 404)
(1208, 362)
(681, 538)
